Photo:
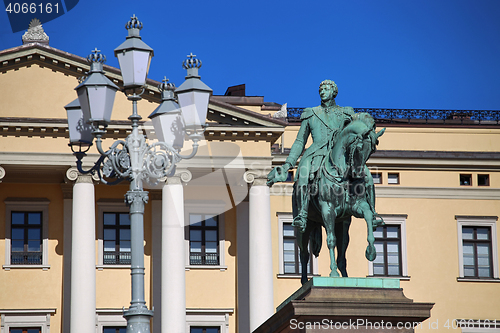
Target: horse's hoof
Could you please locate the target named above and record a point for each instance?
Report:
(370, 253)
(334, 273)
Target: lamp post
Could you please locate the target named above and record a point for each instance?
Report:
(134, 159)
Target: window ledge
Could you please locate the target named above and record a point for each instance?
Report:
(400, 278)
(8, 267)
(213, 267)
(295, 276)
(101, 267)
(464, 279)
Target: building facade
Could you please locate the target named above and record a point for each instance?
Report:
(437, 180)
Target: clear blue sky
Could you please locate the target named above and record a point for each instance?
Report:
(439, 54)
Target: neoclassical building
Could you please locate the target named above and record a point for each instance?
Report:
(234, 257)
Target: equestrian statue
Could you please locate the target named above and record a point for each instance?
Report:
(332, 181)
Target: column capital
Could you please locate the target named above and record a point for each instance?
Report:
(180, 176)
(2, 173)
(73, 175)
(256, 177)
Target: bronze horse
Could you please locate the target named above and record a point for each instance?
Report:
(343, 188)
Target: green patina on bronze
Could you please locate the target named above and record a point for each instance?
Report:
(332, 181)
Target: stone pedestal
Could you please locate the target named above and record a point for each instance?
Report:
(348, 304)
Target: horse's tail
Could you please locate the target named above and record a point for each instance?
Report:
(316, 239)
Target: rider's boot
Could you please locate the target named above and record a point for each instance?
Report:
(300, 221)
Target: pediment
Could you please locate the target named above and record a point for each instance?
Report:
(225, 121)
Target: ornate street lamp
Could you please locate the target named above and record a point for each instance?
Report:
(134, 159)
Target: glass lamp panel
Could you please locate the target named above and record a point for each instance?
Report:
(169, 129)
(100, 100)
(79, 130)
(83, 98)
(134, 65)
(194, 105)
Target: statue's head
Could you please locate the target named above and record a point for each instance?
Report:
(327, 90)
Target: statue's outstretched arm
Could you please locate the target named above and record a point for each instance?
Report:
(280, 173)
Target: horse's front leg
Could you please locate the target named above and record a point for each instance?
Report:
(328, 214)
(366, 212)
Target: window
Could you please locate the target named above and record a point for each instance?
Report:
(393, 178)
(390, 244)
(289, 259)
(114, 330)
(477, 247)
(377, 178)
(26, 238)
(289, 176)
(26, 321)
(113, 234)
(203, 239)
(478, 260)
(208, 320)
(110, 321)
(204, 329)
(465, 180)
(116, 239)
(291, 252)
(483, 180)
(205, 234)
(26, 244)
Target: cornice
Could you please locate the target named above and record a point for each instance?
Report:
(406, 192)
(58, 128)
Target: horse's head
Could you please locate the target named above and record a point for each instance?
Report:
(364, 141)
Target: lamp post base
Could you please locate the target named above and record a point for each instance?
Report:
(138, 320)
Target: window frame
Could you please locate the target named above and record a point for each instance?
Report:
(27, 205)
(477, 221)
(208, 317)
(379, 174)
(399, 220)
(204, 228)
(117, 227)
(107, 206)
(109, 317)
(216, 208)
(282, 219)
(398, 178)
(31, 318)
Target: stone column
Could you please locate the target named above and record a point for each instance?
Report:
(173, 255)
(83, 277)
(261, 296)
